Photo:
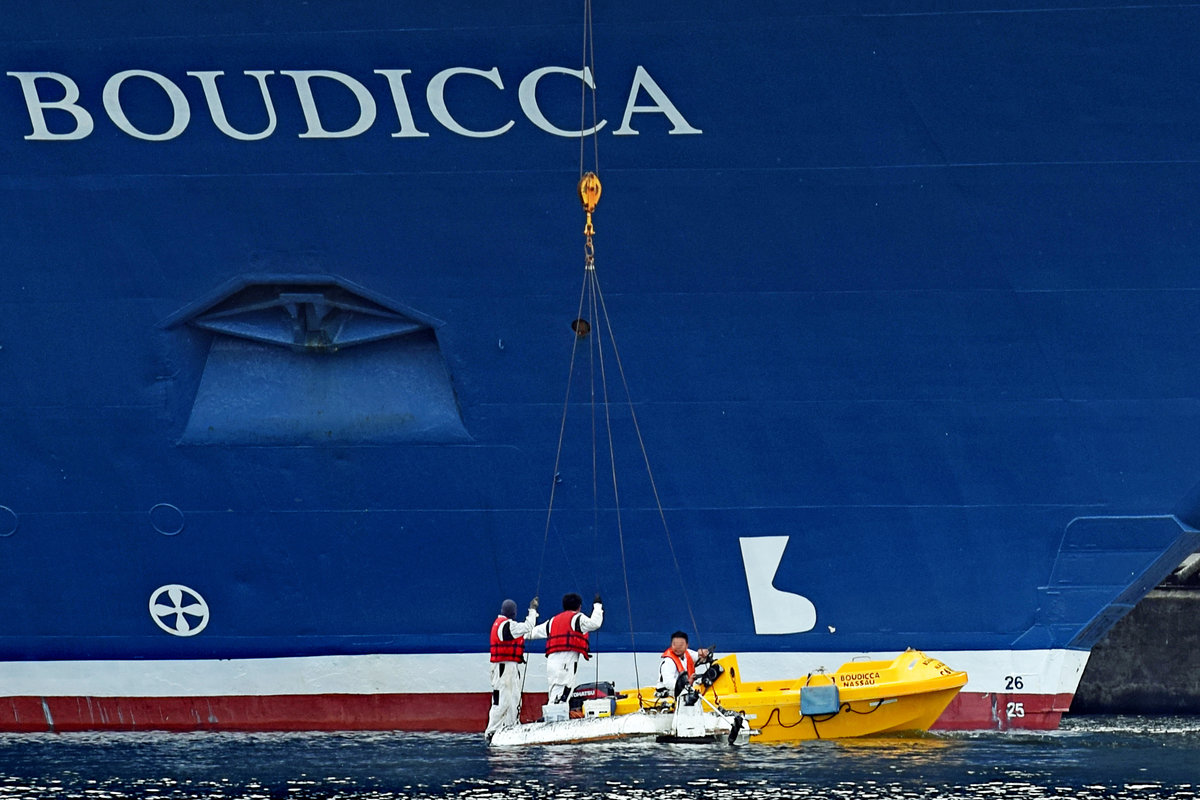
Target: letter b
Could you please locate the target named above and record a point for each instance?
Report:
(37, 106)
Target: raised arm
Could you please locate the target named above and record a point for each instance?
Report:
(592, 623)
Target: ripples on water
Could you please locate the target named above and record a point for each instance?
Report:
(1096, 757)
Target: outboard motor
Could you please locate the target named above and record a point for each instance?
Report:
(735, 729)
(592, 691)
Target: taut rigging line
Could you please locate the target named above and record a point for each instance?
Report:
(592, 298)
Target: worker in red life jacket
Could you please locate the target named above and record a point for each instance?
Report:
(566, 636)
(508, 656)
(678, 661)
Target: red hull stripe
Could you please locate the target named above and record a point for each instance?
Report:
(996, 711)
(411, 712)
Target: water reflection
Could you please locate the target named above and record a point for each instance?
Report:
(1101, 758)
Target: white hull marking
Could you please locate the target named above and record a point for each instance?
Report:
(775, 611)
(1041, 671)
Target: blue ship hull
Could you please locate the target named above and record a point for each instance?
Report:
(285, 324)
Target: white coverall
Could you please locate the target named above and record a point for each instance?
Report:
(506, 678)
(561, 667)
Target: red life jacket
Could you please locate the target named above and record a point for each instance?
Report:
(679, 662)
(563, 636)
(512, 650)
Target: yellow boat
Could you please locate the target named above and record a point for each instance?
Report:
(862, 698)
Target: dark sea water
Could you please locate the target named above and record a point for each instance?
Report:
(1090, 757)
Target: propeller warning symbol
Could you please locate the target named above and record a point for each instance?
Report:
(178, 610)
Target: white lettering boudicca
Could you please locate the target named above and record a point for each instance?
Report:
(58, 111)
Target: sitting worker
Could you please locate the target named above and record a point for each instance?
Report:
(508, 656)
(566, 635)
(678, 666)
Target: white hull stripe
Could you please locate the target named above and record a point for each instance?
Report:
(1001, 671)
